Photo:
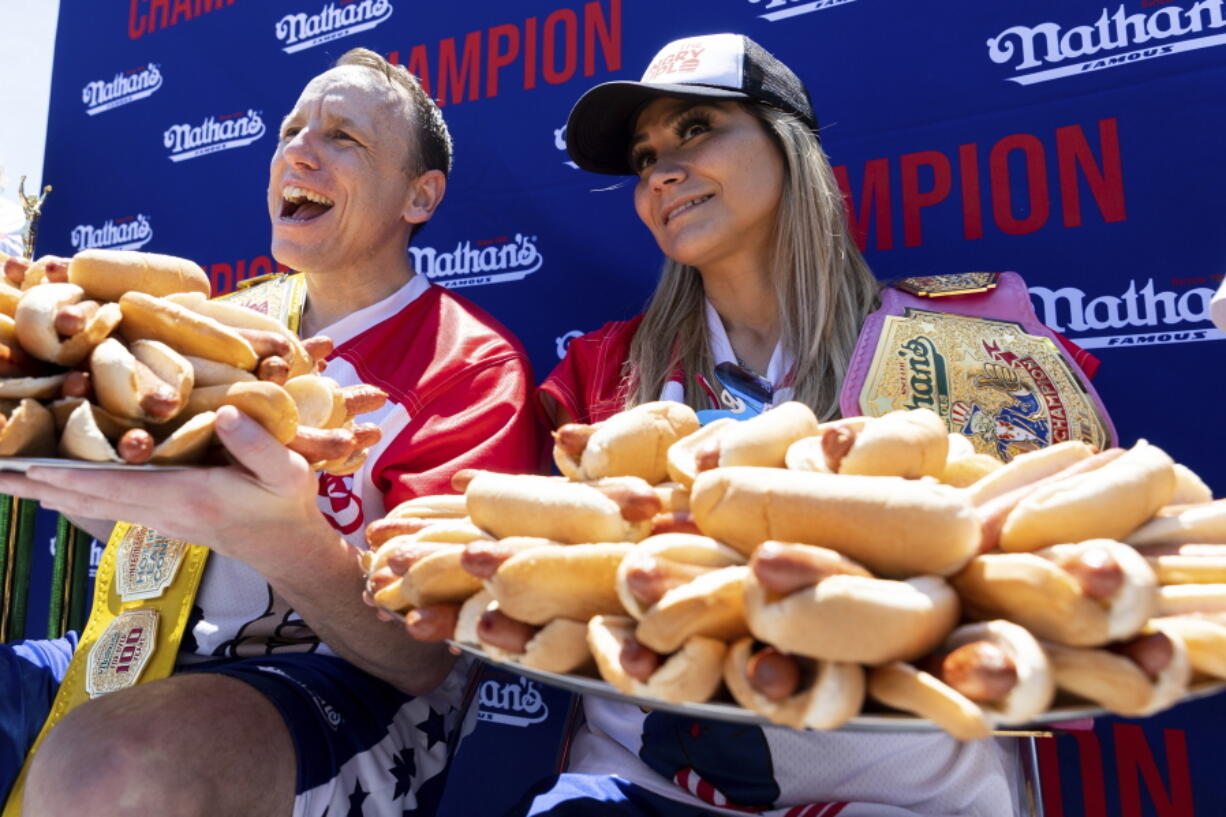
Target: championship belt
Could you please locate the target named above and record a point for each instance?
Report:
(147, 583)
(980, 359)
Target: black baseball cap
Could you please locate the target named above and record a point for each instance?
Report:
(712, 66)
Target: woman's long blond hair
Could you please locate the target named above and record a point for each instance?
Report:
(823, 287)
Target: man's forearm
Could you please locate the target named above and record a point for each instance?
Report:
(325, 588)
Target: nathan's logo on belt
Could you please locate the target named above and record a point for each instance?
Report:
(1139, 316)
(782, 9)
(129, 86)
(301, 30)
(491, 261)
(1115, 38)
(927, 378)
(1007, 391)
(213, 134)
(129, 233)
(518, 703)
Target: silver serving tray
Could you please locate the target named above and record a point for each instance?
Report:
(733, 713)
(23, 463)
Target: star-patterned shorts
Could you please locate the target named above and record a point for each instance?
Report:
(364, 748)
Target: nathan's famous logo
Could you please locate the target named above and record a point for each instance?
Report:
(512, 703)
(1115, 38)
(128, 86)
(1026, 412)
(336, 20)
(926, 374)
(130, 233)
(213, 134)
(782, 9)
(1140, 316)
(491, 261)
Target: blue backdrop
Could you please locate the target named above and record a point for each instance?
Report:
(1075, 142)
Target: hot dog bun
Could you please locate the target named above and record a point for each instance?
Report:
(759, 441)
(829, 698)
(266, 403)
(853, 618)
(108, 274)
(692, 673)
(634, 443)
(569, 512)
(572, 581)
(28, 432)
(321, 404)
(1109, 503)
(1029, 468)
(1036, 591)
(894, 527)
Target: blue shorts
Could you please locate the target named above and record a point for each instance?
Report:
(593, 795)
(354, 735)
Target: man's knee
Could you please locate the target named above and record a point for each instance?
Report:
(108, 764)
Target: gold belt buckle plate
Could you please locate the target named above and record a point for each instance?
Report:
(120, 654)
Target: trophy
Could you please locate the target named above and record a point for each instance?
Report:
(33, 208)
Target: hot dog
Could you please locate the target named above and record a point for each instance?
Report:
(266, 336)
(909, 444)
(569, 512)
(837, 612)
(1187, 564)
(558, 646)
(1080, 595)
(266, 403)
(423, 569)
(148, 382)
(88, 431)
(189, 332)
(760, 441)
(894, 527)
(320, 400)
(679, 585)
(483, 558)
(1140, 676)
(434, 506)
(362, 398)
(39, 311)
(793, 691)
(1203, 523)
(984, 675)
(692, 673)
(107, 274)
(1204, 637)
(1109, 501)
(540, 584)
(634, 443)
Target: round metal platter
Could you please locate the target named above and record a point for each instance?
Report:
(23, 463)
(732, 713)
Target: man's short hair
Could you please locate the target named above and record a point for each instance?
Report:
(433, 141)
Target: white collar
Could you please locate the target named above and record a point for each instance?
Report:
(777, 370)
(355, 323)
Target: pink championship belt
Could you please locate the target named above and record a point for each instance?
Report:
(980, 359)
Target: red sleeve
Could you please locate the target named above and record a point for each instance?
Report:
(590, 382)
(481, 418)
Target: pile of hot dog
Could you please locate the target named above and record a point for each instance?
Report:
(119, 356)
(808, 567)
